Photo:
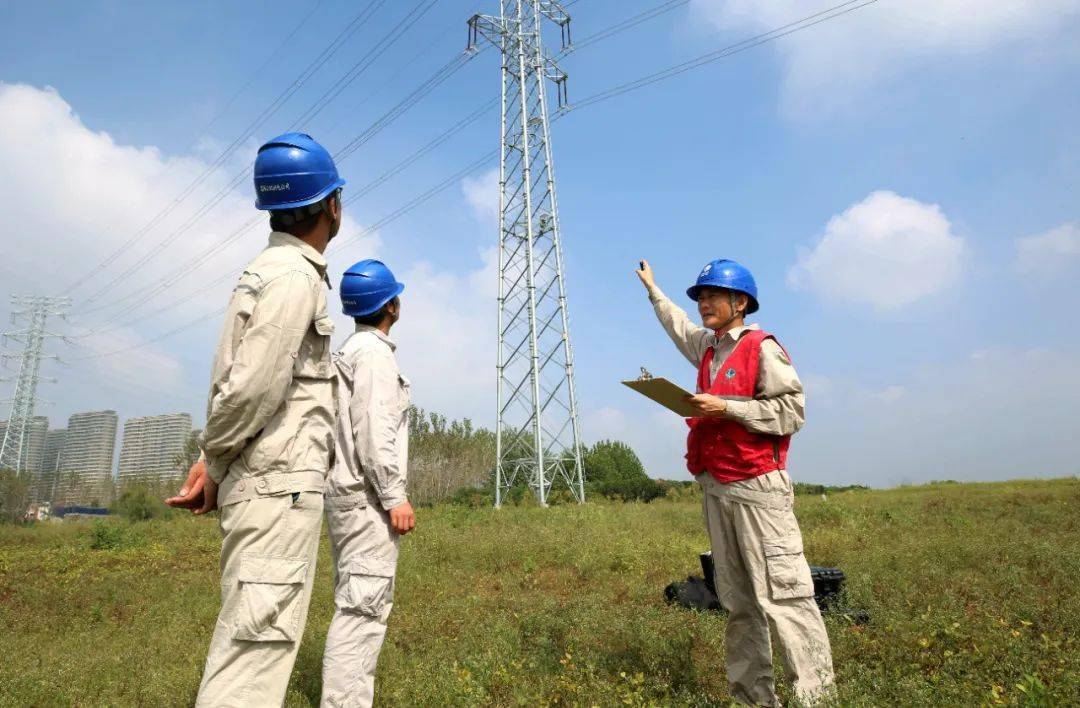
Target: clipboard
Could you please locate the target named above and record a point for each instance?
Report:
(669, 395)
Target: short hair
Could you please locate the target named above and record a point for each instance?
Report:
(372, 320)
(375, 318)
(301, 219)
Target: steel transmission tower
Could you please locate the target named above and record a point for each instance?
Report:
(34, 311)
(537, 426)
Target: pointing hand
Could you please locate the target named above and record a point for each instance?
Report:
(645, 274)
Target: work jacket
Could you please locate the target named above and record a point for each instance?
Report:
(269, 420)
(722, 446)
(371, 461)
(778, 404)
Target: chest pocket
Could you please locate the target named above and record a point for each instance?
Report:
(313, 359)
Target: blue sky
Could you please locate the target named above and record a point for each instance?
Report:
(902, 180)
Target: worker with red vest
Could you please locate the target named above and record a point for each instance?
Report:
(749, 401)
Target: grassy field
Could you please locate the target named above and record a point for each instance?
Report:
(974, 592)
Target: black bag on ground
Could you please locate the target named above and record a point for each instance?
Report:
(700, 594)
(693, 594)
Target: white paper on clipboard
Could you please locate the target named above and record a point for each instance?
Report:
(669, 395)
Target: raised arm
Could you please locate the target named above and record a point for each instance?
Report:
(691, 339)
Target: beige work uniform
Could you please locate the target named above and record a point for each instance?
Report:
(762, 576)
(367, 480)
(268, 441)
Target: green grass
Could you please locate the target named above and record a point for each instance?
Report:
(974, 591)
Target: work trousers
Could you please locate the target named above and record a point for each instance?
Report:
(763, 579)
(268, 552)
(365, 550)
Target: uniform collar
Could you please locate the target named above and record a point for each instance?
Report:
(735, 333)
(378, 333)
(280, 238)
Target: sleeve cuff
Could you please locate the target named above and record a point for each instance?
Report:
(217, 469)
(737, 410)
(656, 295)
(394, 500)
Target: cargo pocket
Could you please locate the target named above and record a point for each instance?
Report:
(270, 593)
(369, 587)
(786, 566)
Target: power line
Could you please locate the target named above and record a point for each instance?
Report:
(426, 47)
(254, 75)
(444, 72)
(441, 75)
(367, 60)
(774, 34)
(427, 148)
(415, 202)
(626, 24)
(395, 112)
(105, 327)
(358, 20)
(360, 234)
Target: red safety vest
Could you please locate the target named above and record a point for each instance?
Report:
(724, 448)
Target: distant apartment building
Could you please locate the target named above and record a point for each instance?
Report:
(50, 463)
(86, 459)
(33, 447)
(54, 446)
(151, 445)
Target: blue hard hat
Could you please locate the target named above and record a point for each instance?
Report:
(292, 171)
(729, 275)
(366, 287)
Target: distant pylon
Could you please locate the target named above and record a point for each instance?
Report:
(35, 311)
(537, 431)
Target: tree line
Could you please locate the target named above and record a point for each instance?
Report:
(450, 461)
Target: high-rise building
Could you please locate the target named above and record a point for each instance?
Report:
(54, 445)
(87, 459)
(50, 463)
(151, 445)
(35, 443)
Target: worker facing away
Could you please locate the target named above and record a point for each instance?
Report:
(270, 430)
(366, 507)
(750, 402)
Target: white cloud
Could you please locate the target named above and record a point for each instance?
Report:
(657, 436)
(74, 196)
(833, 64)
(1051, 253)
(887, 251)
(482, 195)
(447, 341)
(447, 333)
(976, 418)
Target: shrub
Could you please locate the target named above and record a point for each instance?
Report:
(111, 536)
(138, 504)
(613, 470)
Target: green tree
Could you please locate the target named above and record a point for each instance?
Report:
(446, 456)
(14, 495)
(613, 470)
